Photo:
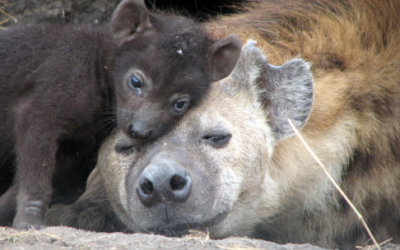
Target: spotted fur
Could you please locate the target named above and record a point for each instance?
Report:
(263, 181)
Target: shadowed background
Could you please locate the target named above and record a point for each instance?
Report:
(99, 11)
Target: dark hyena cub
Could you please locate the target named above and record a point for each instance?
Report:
(60, 84)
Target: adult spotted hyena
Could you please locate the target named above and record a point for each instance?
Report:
(233, 166)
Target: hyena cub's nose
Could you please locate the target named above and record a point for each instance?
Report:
(139, 133)
(163, 181)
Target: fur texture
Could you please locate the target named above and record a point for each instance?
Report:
(63, 85)
(250, 175)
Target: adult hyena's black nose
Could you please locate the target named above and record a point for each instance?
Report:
(165, 181)
(138, 132)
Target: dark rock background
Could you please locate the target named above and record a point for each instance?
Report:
(95, 12)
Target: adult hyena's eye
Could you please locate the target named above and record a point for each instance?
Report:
(134, 82)
(218, 140)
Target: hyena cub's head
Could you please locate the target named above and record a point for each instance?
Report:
(163, 65)
(212, 170)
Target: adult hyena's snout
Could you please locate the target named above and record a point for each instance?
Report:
(163, 181)
(169, 192)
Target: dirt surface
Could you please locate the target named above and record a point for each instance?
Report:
(70, 238)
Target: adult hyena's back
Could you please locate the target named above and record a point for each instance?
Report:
(354, 125)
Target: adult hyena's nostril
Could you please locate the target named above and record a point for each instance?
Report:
(145, 192)
(178, 182)
(163, 182)
(146, 187)
(180, 186)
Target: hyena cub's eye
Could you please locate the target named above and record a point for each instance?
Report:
(134, 82)
(181, 105)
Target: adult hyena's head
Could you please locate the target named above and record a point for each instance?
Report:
(163, 66)
(212, 171)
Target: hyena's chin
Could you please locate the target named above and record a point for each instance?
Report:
(179, 229)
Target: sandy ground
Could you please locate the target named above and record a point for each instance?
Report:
(71, 238)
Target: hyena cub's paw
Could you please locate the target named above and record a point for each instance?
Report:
(30, 215)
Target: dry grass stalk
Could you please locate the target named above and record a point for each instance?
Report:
(4, 21)
(8, 15)
(40, 235)
(29, 234)
(14, 237)
(360, 217)
(198, 235)
(371, 247)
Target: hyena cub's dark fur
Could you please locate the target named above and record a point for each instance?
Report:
(60, 84)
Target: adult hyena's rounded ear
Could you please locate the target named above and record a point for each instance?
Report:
(130, 17)
(289, 95)
(223, 56)
(284, 91)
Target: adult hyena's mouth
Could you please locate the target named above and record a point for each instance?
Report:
(179, 229)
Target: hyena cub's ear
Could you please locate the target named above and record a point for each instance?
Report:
(223, 56)
(285, 91)
(130, 17)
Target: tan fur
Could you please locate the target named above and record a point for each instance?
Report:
(274, 189)
(354, 126)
